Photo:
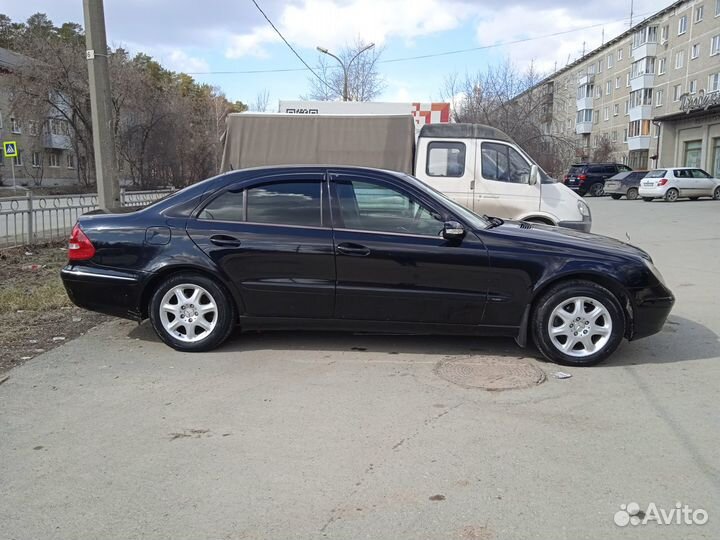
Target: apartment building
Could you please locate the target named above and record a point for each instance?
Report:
(651, 95)
(45, 151)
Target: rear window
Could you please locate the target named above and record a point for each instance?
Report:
(656, 174)
(577, 169)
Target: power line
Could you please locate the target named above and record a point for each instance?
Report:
(407, 58)
(290, 46)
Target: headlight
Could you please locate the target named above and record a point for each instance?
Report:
(584, 209)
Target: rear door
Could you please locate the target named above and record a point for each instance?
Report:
(502, 188)
(272, 238)
(448, 166)
(685, 183)
(393, 263)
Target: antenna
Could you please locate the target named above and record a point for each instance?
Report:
(631, 13)
(602, 40)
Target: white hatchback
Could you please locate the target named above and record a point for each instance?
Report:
(673, 183)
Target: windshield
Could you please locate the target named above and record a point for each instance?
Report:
(659, 173)
(471, 218)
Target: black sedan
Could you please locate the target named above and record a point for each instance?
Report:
(362, 250)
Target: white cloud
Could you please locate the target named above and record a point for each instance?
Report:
(332, 24)
(179, 60)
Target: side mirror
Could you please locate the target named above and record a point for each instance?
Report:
(452, 230)
(534, 175)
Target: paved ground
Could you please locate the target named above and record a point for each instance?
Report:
(339, 436)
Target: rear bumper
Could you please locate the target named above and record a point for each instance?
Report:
(651, 308)
(583, 226)
(653, 191)
(103, 290)
(614, 188)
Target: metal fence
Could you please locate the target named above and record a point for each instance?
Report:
(31, 218)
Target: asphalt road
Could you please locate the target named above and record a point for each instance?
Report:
(288, 435)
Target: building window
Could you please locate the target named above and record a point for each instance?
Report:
(1, 120)
(19, 159)
(15, 125)
(665, 32)
(677, 92)
(610, 60)
(656, 130)
(679, 59)
(70, 160)
(639, 128)
(53, 159)
(598, 91)
(661, 65)
(596, 116)
(36, 159)
(699, 13)
(625, 135)
(627, 79)
(613, 137)
(641, 97)
(585, 115)
(606, 113)
(692, 86)
(608, 88)
(658, 98)
(617, 82)
(714, 82)
(694, 51)
(616, 109)
(627, 107)
(717, 14)
(599, 68)
(693, 150)
(620, 51)
(716, 153)
(682, 25)
(646, 66)
(715, 45)
(32, 128)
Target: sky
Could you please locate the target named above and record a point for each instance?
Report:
(215, 39)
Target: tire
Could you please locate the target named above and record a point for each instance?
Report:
(632, 194)
(671, 195)
(203, 330)
(597, 189)
(616, 196)
(647, 199)
(716, 194)
(603, 333)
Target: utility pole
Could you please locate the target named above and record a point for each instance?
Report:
(101, 104)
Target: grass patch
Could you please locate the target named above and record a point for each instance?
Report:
(35, 297)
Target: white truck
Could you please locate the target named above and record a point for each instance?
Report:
(476, 165)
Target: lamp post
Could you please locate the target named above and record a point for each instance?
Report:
(346, 68)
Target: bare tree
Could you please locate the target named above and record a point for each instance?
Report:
(516, 103)
(604, 149)
(261, 101)
(365, 82)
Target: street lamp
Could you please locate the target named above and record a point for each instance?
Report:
(345, 68)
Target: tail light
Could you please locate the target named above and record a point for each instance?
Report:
(80, 247)
(662, 181)
(582, 177)
(566, 178)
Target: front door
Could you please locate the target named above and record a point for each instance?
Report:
(503, 188)
(392, 262)
(272, 238)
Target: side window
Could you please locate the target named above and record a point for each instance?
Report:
(445, 159)
(504, 164)
(226, 207)
(624, 168)
(682, 173)
(285, 203)
(699, 173)
(370, 206)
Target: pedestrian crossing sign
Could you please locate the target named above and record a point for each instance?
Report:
(10, 149)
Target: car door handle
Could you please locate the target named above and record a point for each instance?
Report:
(224, 240)
(356, 250)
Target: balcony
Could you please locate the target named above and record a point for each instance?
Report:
(56, 141)
(584, 103)
(587, 78)
(639, 143)
(642, 112)
(642, 81)
(646, 49)
(583, 127)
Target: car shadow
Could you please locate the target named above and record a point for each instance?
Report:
(680, 340)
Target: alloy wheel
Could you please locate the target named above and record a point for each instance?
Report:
(580, 326)
(188, 312)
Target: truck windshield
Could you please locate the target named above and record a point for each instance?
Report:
(471, 218)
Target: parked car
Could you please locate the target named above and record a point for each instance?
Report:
(590, 177)
(626, 183)
(675, 182)
(363, 250)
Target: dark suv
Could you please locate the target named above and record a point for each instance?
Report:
(590, 177)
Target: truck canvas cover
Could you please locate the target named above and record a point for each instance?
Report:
(380, 141)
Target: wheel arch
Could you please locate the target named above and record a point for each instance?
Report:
(538, 218)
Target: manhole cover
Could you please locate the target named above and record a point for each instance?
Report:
(490, 373)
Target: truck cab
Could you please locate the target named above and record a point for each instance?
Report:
(481, 168)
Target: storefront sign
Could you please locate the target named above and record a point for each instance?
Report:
(701, 101)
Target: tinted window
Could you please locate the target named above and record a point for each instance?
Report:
(624, 168)
(682, 173)
(291, 203)
(226, 207)
(602, 169)
(577, 169)
(699, 173)
(503, 163)
(659, 173)
(370, 206)
(446, 159)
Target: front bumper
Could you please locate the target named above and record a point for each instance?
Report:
(583, 226)
(103, 290)
(651, 308)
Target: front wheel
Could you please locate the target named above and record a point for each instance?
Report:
(632, 194)
(616, 196)
(716, 194)
(578, 323)
(191, 312)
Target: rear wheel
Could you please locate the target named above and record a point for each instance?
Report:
(671, 195)
(616, 196)
(578, 323)
(716, 193)
(191, 312)
(632, 194)
(597, 189)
